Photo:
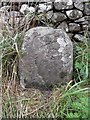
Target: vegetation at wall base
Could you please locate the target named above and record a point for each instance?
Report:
(68, 101)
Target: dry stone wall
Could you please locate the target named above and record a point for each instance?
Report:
(71, 15)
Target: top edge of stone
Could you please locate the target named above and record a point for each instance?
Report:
(27, 0)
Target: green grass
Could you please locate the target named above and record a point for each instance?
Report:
(81, 60)
(69, 101)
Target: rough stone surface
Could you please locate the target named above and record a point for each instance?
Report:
(87, 8)
(63, 4)
(49, 15)
(81, 20)
(70, 35)
(57, 17)
(85, 27)
(26, 9)
(47, 58)
(73, 27)
(74, 14)
(79, 37)
(79, 4)
(43, 7)
(71, 15)
(63, 26)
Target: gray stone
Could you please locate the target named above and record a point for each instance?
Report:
(43, 7)
(47, 58)
(70, 35)
(63, 26)
(73, 27)
(79, 37)
(87, 18)
(86, 27)
(26, 9)
(63, 4)
(80, 20)
(0, 4)
(58, 17)
(87, 8)
(49, 14)
(84, 23)
(74, 14)
(26, 1)
(79, 4)
(4, 15)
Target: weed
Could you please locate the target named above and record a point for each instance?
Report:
(81, 61)
(70, 101)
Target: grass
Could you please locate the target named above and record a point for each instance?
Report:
(81, 64)
(69, 101)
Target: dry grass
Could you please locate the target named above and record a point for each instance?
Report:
(18, 102)
(22, 102)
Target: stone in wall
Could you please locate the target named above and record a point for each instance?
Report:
(87, 8)
(74, 14)
(79, 4)
(73, 27)
(43, 7)
(4, 15)
(1, 25)
(88, 19)
(49, 15)
(47, 58)
(81, 20)
(79, 37)
(63, 4)
(85, 27)
(70, 35)
(26, 9)
(63, 26)
(58, 17)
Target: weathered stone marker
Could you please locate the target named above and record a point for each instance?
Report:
(47, 58)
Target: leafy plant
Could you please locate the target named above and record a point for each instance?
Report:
(81, 54)
(10, 47)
